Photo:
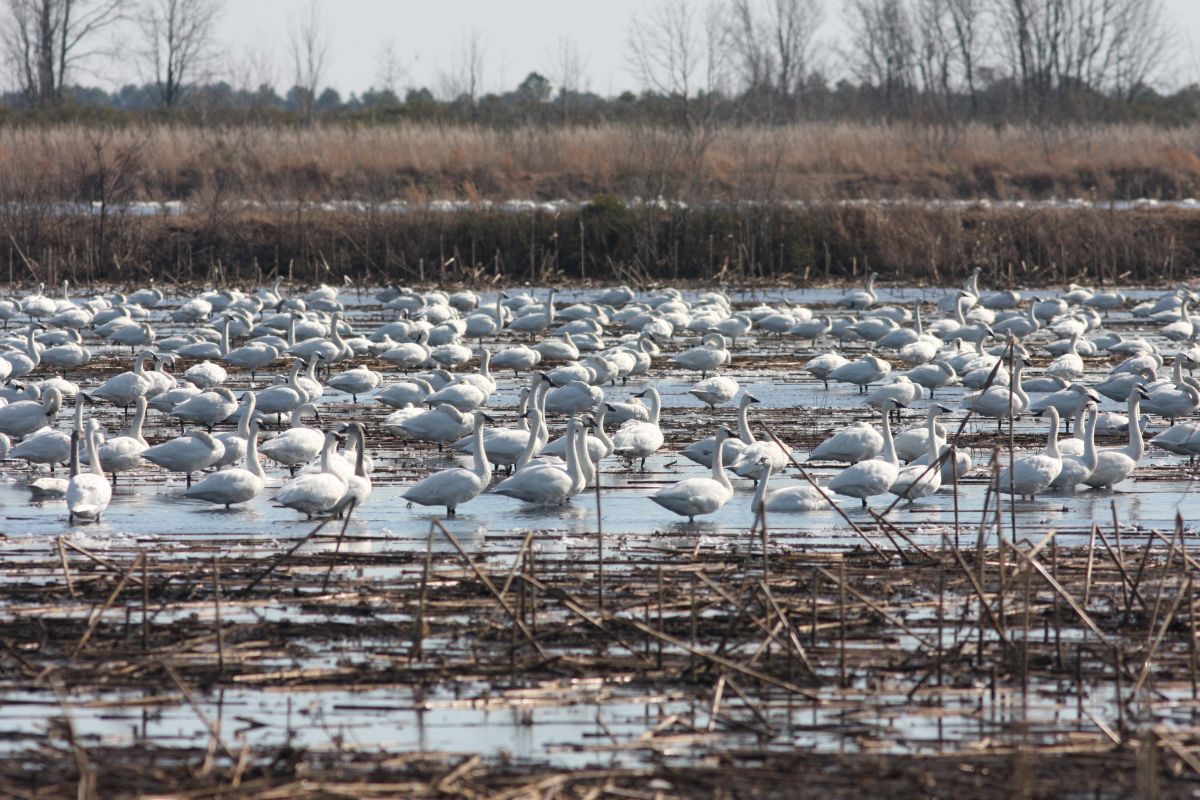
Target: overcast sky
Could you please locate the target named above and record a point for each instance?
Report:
(519, 37)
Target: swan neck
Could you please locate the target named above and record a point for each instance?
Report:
(252, 464)
(139, 419)
(78, 424)
(93, 454)
(655, 405)
(744, 432)
(601, 434)
(760, 491)
(531, 443)
(360, 468)
(1137, 446)
(718, 465)
(74, 470)
(1089, 440)
(326, 451)
(483, 467)
(889, 447)
(931, 427)
(1052, 439)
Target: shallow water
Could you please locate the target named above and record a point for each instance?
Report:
(148, 511)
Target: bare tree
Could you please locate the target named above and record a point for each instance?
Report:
(681, 51)
(179, 40)
(883, 51)
(967, 21)
(1141, 43)
(45, 39)
(772, 41)
(308, 45)
(566, 71)
(462, 81)
(1065, 48)
(390, 71)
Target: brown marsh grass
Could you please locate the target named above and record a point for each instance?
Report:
(810, 161)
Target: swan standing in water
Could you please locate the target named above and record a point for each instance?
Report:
(124, 453)
(88, 493)
(315, 492)
(875, 476)
(638, 439)
(26, 416)
(791, 499)
(693, 497)
(231, 486)
(544, 483)
(1078, 468)
(358, 483)
(455, 486)
(1116, 464)
(297, 445)
(192, 452)
(1032, 474)
(921, 480)
(702, 451)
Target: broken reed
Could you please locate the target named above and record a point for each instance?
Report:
(602, 241)
(884, 632)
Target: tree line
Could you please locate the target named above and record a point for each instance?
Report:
(698, 65)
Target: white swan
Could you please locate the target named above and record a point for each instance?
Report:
(124, 453)
(358, 482)
(715, 391)
(1078, 468)
(298, 444)
(191, 452)
(231, 486)
(126, 388)
(706, 357)
(207, 408)
(693, 497)
(638, 439)
(283, 397)
(792, 499)
(315, 492)
(544, 483)
(702, 451)
(921, 480)
(442, 425)
(1031, 475)
(858, 442)
(88, 493)
(1114, 465)
(874, 476)
(861, 298)
(455, 486)
(235, 441)
(517, 358)
(866, 370)
(26, 416)
(49, 446)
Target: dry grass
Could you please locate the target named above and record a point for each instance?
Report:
(807, 161)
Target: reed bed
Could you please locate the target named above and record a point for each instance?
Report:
(1037, 670)
(807, 161)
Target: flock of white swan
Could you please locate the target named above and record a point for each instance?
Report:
(436, 359)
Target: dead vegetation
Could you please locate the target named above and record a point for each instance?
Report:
(806, 161)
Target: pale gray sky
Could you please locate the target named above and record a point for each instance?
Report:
(519, 37)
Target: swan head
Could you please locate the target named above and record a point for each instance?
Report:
(941, 409)
(751, 398)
